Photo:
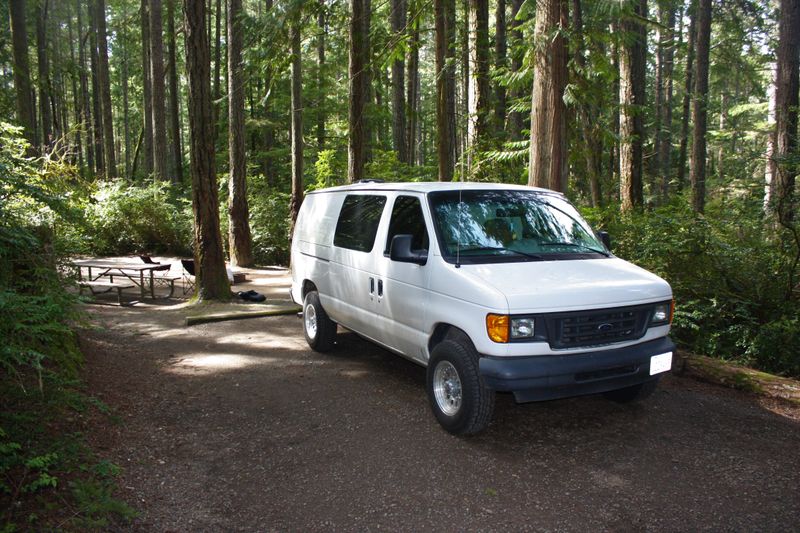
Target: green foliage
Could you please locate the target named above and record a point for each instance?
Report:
(269, 223)
(123, 218)
(39, 355)
(732, 275)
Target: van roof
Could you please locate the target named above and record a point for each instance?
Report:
(426, 187)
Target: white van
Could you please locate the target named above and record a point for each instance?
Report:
(492, 287)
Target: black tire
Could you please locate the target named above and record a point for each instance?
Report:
(476, 405)
(323, 338)
(634, 393)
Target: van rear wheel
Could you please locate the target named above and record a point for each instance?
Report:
(460, 400)
(319, 329)
(634, 393)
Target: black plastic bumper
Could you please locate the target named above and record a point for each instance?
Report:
(546, 377)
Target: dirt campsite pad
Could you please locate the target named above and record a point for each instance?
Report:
(238, 426)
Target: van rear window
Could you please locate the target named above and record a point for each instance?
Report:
(358, 222)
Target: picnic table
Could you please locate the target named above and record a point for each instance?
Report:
(101, 273)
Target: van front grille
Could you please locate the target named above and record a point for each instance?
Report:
(593, 328)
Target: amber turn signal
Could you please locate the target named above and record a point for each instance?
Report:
(497, 327)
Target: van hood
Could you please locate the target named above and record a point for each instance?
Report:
(571, 285)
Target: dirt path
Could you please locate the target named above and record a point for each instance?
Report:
(237, 426)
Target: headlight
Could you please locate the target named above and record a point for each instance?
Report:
(522, 328)
(662, 314)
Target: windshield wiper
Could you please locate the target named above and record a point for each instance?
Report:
(499, 249)
(575, 245)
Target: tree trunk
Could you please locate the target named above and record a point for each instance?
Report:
(217, 69)
(158, 92)
(398, 19)
(174, 97)
(687, 94)
(321, 29)
(297, 124)
(548, 151)
(104, 81)
(632, 67)
(147, 107)
(664, 133)
(43, 64)
(786, 104)
(500, 62)
(125, 113)
(22, 70)
(76, 94)
(211, 278)
(478, 127)
(239, 242)
(357, 67)
(699, 107)
(86, 115)
(515, 118)
(97, 113)
(412, 86)
(445, 15)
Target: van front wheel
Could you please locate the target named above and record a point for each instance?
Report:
(320, 331)
(460, 400)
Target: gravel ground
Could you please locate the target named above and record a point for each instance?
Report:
(238, 426)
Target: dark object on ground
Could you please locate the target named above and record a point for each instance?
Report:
(239, 277)
(149, 260)
(188, 275)
(251, 296)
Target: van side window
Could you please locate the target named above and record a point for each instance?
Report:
(407, 219)
(358, 222)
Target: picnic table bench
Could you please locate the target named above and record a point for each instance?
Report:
(100, 273)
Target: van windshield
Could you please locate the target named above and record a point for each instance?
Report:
(493, 226)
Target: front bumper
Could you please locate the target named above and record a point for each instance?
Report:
(547, 377)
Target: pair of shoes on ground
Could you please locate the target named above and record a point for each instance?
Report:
(251, 296)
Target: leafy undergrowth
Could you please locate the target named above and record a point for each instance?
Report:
(49, 478)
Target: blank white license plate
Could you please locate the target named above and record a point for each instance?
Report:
(660, 363)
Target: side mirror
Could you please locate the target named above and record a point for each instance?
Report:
(401, 251)
(605, 238)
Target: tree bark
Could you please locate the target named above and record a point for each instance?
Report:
(158, 92)
(356, 145)
(217, 69)
(478, 127)
(515, 118)
(412, 86)
(500, 62)
(104, 81)
(22, 70)
(398, 19)
(211, 278)
(321, 30)
(86, 115)
(147, 107)
(43, 64)
(97, 106)
(297, 124)
(445, 15)
(548, 151)
(239, 242)
(699, 107)
(125, 112)
(664, 131)
(632, 66)
(76, 94)
(786, 103)
(687, 94)
(174, 97)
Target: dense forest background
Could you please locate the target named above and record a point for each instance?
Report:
(195, 127)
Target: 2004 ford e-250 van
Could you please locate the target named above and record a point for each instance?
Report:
(492, 287)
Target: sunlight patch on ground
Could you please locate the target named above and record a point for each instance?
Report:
(264, 341)
(205, 364)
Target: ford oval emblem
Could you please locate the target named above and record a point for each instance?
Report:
(605, 327)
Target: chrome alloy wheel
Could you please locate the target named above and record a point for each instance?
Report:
(310, 321)
(447, 388)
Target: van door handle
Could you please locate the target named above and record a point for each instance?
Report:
(371, 285)
(380, 287)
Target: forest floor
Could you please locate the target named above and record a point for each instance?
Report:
(238, 426)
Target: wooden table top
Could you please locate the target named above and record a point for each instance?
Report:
(102, 263)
